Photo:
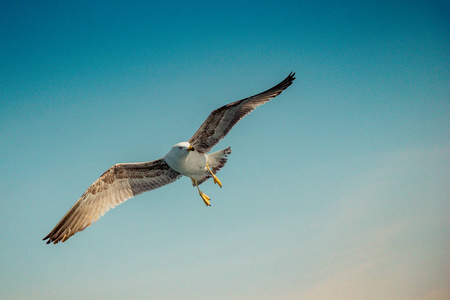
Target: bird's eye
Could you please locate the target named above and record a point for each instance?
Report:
(179, 148)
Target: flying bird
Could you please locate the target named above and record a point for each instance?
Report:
(124, 181)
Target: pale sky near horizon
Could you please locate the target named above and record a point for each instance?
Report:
(336, 189)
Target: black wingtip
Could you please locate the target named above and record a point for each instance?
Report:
(291, 76)
(285, 83)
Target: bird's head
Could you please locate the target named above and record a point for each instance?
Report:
(180, 150)
(183, 146)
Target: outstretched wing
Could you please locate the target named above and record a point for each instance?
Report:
(221, 120)
(119, 183)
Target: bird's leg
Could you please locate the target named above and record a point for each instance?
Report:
(204, 196)
(216, 180)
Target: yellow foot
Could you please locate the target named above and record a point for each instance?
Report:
(205, 198)
(216, 180)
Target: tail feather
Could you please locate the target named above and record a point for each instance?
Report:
(216, 161)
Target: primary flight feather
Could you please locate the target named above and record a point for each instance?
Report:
(124, 181)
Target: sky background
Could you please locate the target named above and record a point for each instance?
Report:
(337, 189)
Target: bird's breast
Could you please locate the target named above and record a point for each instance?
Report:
(193, 164)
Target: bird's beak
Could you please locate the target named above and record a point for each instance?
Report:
(190, 149)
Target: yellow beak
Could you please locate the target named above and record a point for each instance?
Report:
(190, 149)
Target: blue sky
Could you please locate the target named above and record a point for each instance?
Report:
(337, 189)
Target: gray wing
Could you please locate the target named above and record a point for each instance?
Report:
(119, 183)
(221, 120)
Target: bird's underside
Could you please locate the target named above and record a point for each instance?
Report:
(124, 181)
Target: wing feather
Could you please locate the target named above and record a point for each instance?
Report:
(115, 186)
(221, 120)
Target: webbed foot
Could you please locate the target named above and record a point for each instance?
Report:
(205, 198)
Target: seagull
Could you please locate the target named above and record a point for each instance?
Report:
(126, 180)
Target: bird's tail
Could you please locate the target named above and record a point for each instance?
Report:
(216, 161)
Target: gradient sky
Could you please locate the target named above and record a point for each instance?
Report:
(337, 189)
